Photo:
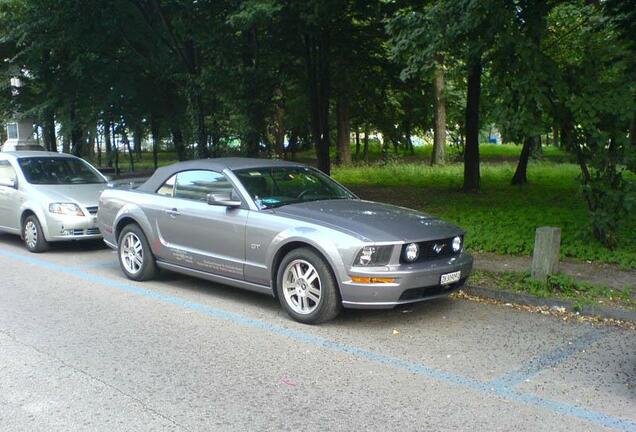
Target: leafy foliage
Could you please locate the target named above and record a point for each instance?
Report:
(500, 219)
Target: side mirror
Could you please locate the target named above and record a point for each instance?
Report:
(223, 199)
(8, 182)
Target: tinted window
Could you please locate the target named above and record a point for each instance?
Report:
(58, 170)
(6, 171)
(168, 187)
(196, 185)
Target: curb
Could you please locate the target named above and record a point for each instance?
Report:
(530, 300)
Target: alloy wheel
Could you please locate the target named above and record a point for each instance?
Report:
(301, 286)
(132, 253)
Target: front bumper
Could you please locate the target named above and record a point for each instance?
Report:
(65, 228)
(413, 283)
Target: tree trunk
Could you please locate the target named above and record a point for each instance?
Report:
(48, 131)
(177, 141)
(76, 134)
(202, 135)
(115, 149)
(154, 130)
(98, 142)
(471, 150)
(66, 144)
(131, 156)
(439, 121)
(521, 176)
(107, 143)
(215, 139)
(293, 144)
(408, 131)
(365, 151)
(89, 150)
(138, 135)
(317, 62)
(357, 145)
(344, 131)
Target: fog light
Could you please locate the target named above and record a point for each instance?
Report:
(411, 252)
(66, 232)
(457, 244)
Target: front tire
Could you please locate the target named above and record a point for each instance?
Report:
(135, 257)
(33, 235)
(306, 287)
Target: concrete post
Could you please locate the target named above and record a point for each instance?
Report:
(545, 260)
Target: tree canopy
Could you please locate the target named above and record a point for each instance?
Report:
(269, 77)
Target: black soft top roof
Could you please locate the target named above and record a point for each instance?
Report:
(218, 164)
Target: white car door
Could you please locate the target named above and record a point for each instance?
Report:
(9, 198)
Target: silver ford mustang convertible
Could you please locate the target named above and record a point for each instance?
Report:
(285, 229)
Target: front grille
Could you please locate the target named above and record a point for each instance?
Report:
(432, 291)
(92, 210)
(432, 249)
(81, 232)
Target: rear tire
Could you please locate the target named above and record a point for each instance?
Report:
(135, 257)
(306, 287)
(33, 235)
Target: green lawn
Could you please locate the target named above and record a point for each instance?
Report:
(502, 218)
(488, 153)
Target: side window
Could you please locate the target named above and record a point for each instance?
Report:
(6, 171)
(196, 185)
(167, 188)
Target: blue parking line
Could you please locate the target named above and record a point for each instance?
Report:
(501, 390)
(548, 360)
(111, 263)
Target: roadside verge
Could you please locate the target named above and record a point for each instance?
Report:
(526, 299)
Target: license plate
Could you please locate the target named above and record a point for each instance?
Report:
(450, 278)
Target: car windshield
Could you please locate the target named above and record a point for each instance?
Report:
(275, 187)
(58, 171)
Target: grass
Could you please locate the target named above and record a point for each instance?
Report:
(502, 218)
(488, 153)
(557, 286)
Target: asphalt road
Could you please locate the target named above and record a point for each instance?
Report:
(83, 348)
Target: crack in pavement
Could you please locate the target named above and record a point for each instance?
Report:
(81, 371)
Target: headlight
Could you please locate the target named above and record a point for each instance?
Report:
(66, 209)
(373, 256)
(457, 244)
(411, 252)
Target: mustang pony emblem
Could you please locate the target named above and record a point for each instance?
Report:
(438, 248)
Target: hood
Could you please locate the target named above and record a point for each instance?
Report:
(84, 194)
(372, 221)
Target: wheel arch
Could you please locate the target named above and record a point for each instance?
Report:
(122, 223)
(128, 214)
(25, 213)
(291, 245)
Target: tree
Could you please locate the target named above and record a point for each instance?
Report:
(439, 130)
(464, 31)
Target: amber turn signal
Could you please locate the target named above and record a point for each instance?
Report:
(360, 279)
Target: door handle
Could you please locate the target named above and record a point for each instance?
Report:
(173, 213)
